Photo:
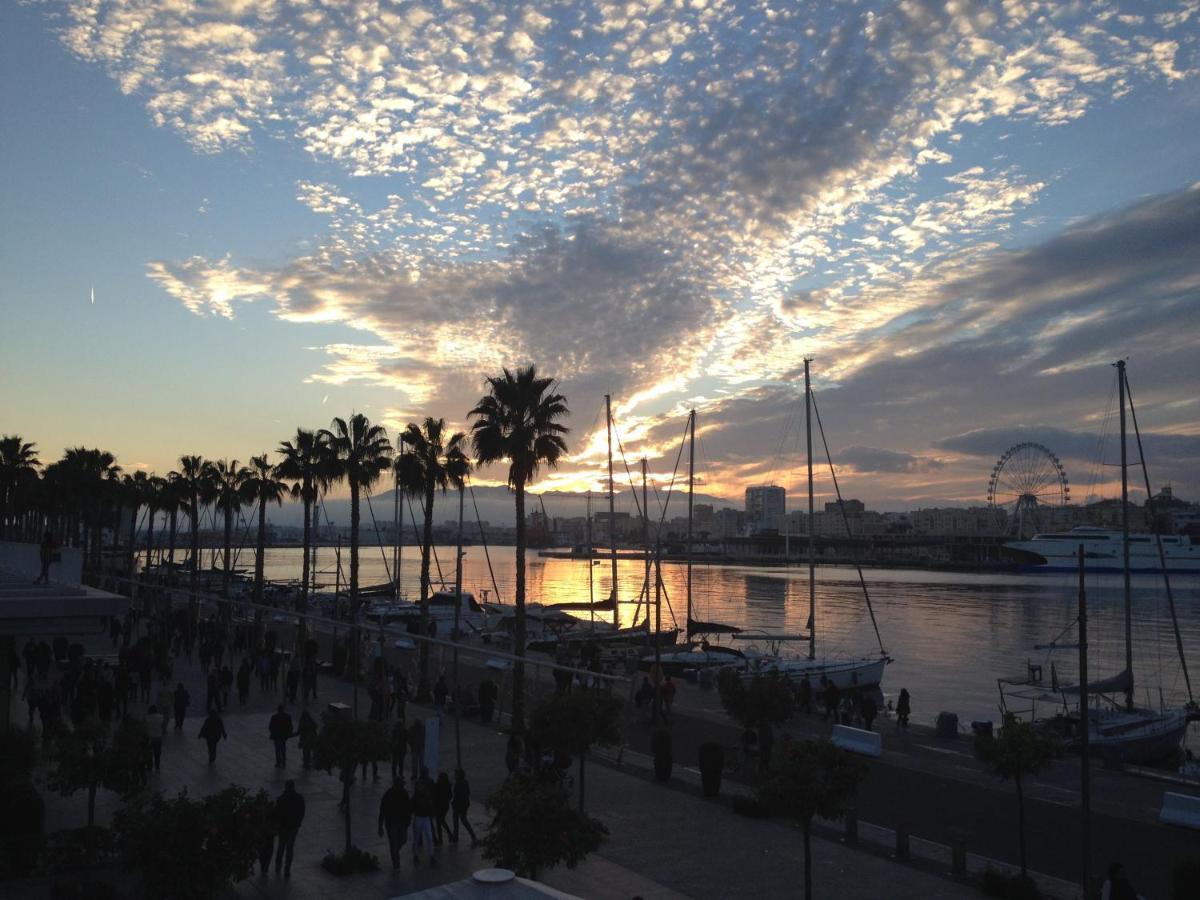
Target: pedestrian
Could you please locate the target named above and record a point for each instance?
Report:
(243, 681)
(903, 709)
(264, 671)
(422, 820)
(805, 695)
(399, 745)
(870, 709)
(443, 795)
(212, 696)
(293, 683)
(487, 700)
(182, 699)
(766, 743)
(308, 736)
(461, 801)
(289, 813)
(46, 557)
(668, 696)
(1118, 887)
(512, 753)
(644, 693)
(416, 745)
(439, 694)
(395, 816)
(212, 731)
(280, 729)
(226, 679)
(156, 729)
(832, 700)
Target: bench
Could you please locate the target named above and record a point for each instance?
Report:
(1180, 809)
(340, 711)
(857, 740)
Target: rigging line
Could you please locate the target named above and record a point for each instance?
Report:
(245, 534)
(483, 538)
(1158, 540)
(846, 522)
(387, 570)
(671, 484)
(432, 549)
(620, 447)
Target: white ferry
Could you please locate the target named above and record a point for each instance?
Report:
(1057, 552)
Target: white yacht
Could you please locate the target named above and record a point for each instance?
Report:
(1056, 552)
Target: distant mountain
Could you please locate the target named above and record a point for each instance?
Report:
(495, 506)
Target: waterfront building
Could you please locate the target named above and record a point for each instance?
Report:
(765, 504)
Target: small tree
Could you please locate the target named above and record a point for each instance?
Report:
(344, 744)
(575, 721)
(764, 698)
(92, 757)
(22, 827)
(1015, 750)
(534, 827)
(814, 778)
(193, 849)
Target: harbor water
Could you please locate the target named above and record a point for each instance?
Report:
(950, 634)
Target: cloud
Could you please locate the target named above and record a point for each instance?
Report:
(875, 459)
(1163, 449)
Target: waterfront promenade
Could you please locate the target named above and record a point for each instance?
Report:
(665, 840)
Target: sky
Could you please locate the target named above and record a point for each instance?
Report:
(221, 221)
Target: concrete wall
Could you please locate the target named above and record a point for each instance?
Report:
(25, 560)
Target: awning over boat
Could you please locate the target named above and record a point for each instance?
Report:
(1119, 683)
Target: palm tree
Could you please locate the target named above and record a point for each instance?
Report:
(153, 496)
(421, 471)
(306, 460)
(170, 499)
(194, 480)
(88, 477)
(228, 479)
(516, 421)
(135, 490)
(18, 465)
(262, 486)
(361, 453)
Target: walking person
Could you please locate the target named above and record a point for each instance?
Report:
(212, 696)
(46, 557)
(439, 695)
(395, 815)
(289, 813)
(280, 729)
(156, 729)
(668, 697)
(399, 746)
(460, 804)
(870, 709)
(211, 732)
(181, 700)
(804, 698)
(243, 681)
(226, 680)
(443, 794)
(903, 709)
(832, 700)
(416, 746)
(422, 820)
(1117, 886)
(308, 737)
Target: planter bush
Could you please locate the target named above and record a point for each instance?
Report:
(660, 746)
(1009, 887)
(712, 764)
(748, 806)
(351, 862)
(1185, 880)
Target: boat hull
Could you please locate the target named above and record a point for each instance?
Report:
(846, 674)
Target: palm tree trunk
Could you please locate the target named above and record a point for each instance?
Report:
(171, 545)
(518, 706)
(808, 859)
(258, 559)
(354, 578)
(194, 581)
(302, 603)
(1021, 824)
(426, 553)
(228, 550)
(149, 537)
(133, 543)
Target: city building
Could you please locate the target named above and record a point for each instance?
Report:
(765, 505)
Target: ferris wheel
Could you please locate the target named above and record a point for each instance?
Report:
(1027, 476)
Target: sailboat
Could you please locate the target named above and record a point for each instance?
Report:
(1115, 726)
(846, 672)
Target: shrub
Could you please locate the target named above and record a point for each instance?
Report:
(748, 806)
(351, 862)
(1009, 887)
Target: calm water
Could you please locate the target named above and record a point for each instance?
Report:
(951, 634)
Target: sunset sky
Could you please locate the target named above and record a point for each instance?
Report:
(286, 210)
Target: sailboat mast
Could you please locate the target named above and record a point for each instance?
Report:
(691, 488)
(612, 516)
(812, 560)
(396, 520)
(1125, 539)
(646, 535)
(591, 581)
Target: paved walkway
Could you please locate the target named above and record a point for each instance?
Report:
(665, 841)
